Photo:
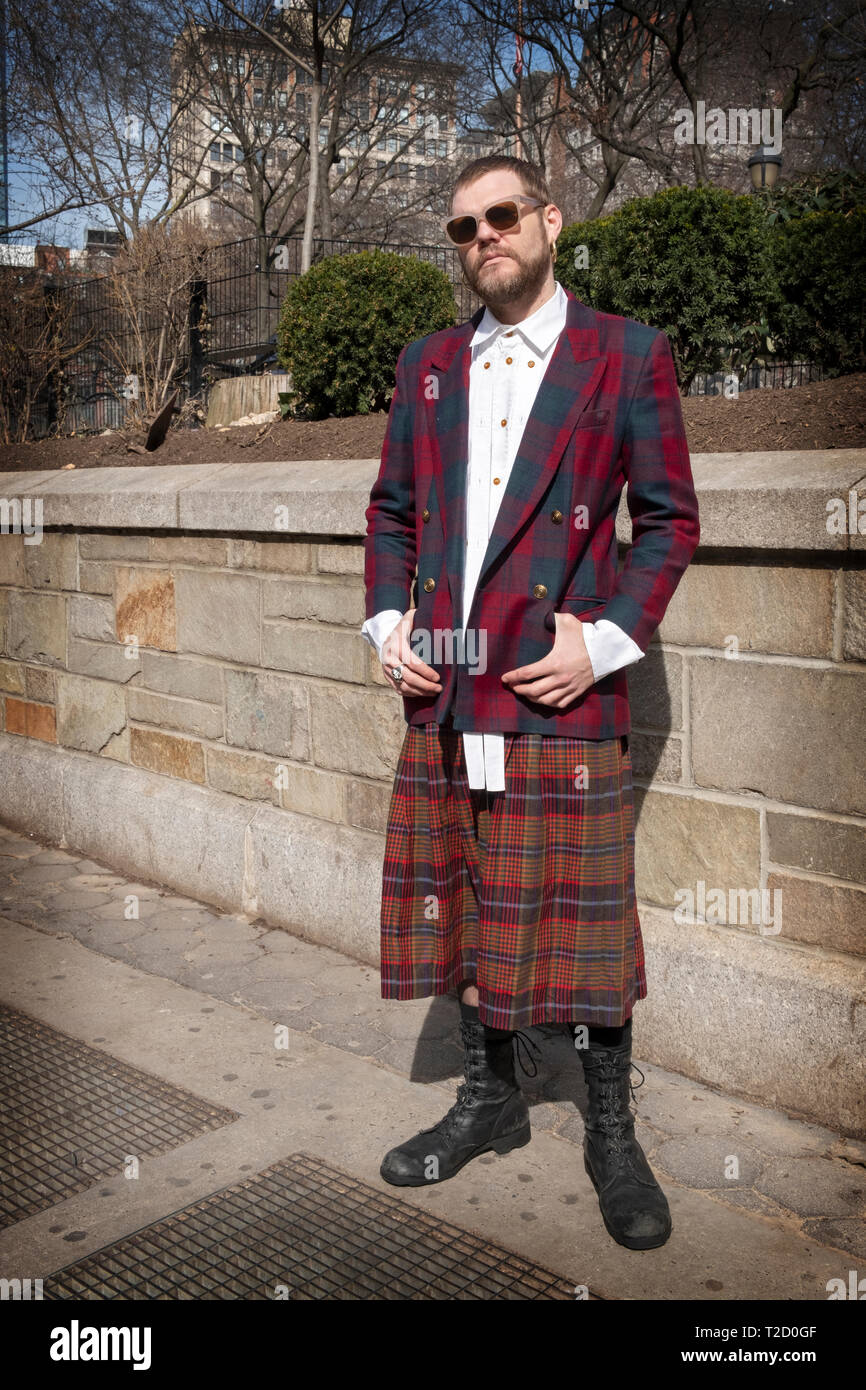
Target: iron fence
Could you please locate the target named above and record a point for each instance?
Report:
(231, 317)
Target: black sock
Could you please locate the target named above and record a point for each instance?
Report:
(610, 1037)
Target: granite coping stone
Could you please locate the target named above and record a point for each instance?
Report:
(763, 500)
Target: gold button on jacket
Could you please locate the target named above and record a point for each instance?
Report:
(540, 591)
(425, 515)
(429, 585)
(556, 516)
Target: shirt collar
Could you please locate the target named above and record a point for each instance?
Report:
(539, 329)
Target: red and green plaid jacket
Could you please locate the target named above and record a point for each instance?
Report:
(607, 415)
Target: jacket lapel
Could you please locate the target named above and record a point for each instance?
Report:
(567, 387)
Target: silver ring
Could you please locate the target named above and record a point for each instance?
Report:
(397, 673)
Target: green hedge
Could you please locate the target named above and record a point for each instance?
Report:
(820, 266)
(694, 262)
(343, 325)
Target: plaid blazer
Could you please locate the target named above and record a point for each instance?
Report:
(607, 414)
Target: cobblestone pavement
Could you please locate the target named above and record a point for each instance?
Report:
(796, 1175)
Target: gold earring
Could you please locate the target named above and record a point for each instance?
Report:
(553, 252)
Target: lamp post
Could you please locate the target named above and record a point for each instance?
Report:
(764, 166)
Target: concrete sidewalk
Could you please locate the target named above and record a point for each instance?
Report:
(193, 996)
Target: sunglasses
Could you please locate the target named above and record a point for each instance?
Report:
(500, 216)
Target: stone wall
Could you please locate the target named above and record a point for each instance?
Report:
(184, 694)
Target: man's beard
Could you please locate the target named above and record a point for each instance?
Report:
(504, 286)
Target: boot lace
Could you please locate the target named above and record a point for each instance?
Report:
(616, 1124)
(468, 1090)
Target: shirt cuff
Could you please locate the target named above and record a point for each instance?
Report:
(608, 647)
(378, 628)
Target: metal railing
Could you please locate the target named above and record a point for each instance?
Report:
(237, 302)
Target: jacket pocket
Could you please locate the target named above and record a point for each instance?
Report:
(592, 418)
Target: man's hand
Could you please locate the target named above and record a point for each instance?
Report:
(418, 677)
(560, 676)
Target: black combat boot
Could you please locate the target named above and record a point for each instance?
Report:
(634, 1208)
(490, 1113)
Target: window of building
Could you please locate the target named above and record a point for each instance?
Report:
(228, 154)
(257, 97)
(214, 149)
(443, 149)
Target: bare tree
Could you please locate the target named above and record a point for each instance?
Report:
(90, 110)
(341, 48)
(36, 345)
(148, 290)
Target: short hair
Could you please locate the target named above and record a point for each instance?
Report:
(531, 176)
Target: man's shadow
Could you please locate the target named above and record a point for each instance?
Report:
(439, 1052)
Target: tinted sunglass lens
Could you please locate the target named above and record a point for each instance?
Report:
(462, 229)
(502, 216)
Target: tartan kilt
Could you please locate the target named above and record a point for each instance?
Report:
(529, 892)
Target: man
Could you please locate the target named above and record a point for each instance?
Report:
(509, 863)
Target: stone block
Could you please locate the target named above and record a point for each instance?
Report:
(313, 793)
(158, 829)
(96, 577)
(31, 776)
(105, 660)
(53, 563)
(316, 600)
(40, 683)
(824, 914)
(89, 712)
(357, 731)
(757, 1017)
(31, 720)
(173, 757)
(326, 877)
(332, 558)
(12, 678)
(182, 675)
(784, 732)
(12, 547)
(242, 774)
(367, 804)
(309, 650)
(187, 548)
(681, 841)
(218, 615)
(768, 608)
(91, 615)
(655, 690)
(185, 716)
(854, 632)
(267, 713)
(818, 844)
(278, 555)
(36, 627)
(655, 758)
(105, 545)
(145, 607)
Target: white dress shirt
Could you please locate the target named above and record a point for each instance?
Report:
(507, 364)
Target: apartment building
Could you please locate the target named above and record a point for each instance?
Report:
(241, 122)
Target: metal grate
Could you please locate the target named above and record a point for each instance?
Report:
(71, 1115)
(303, 1230)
